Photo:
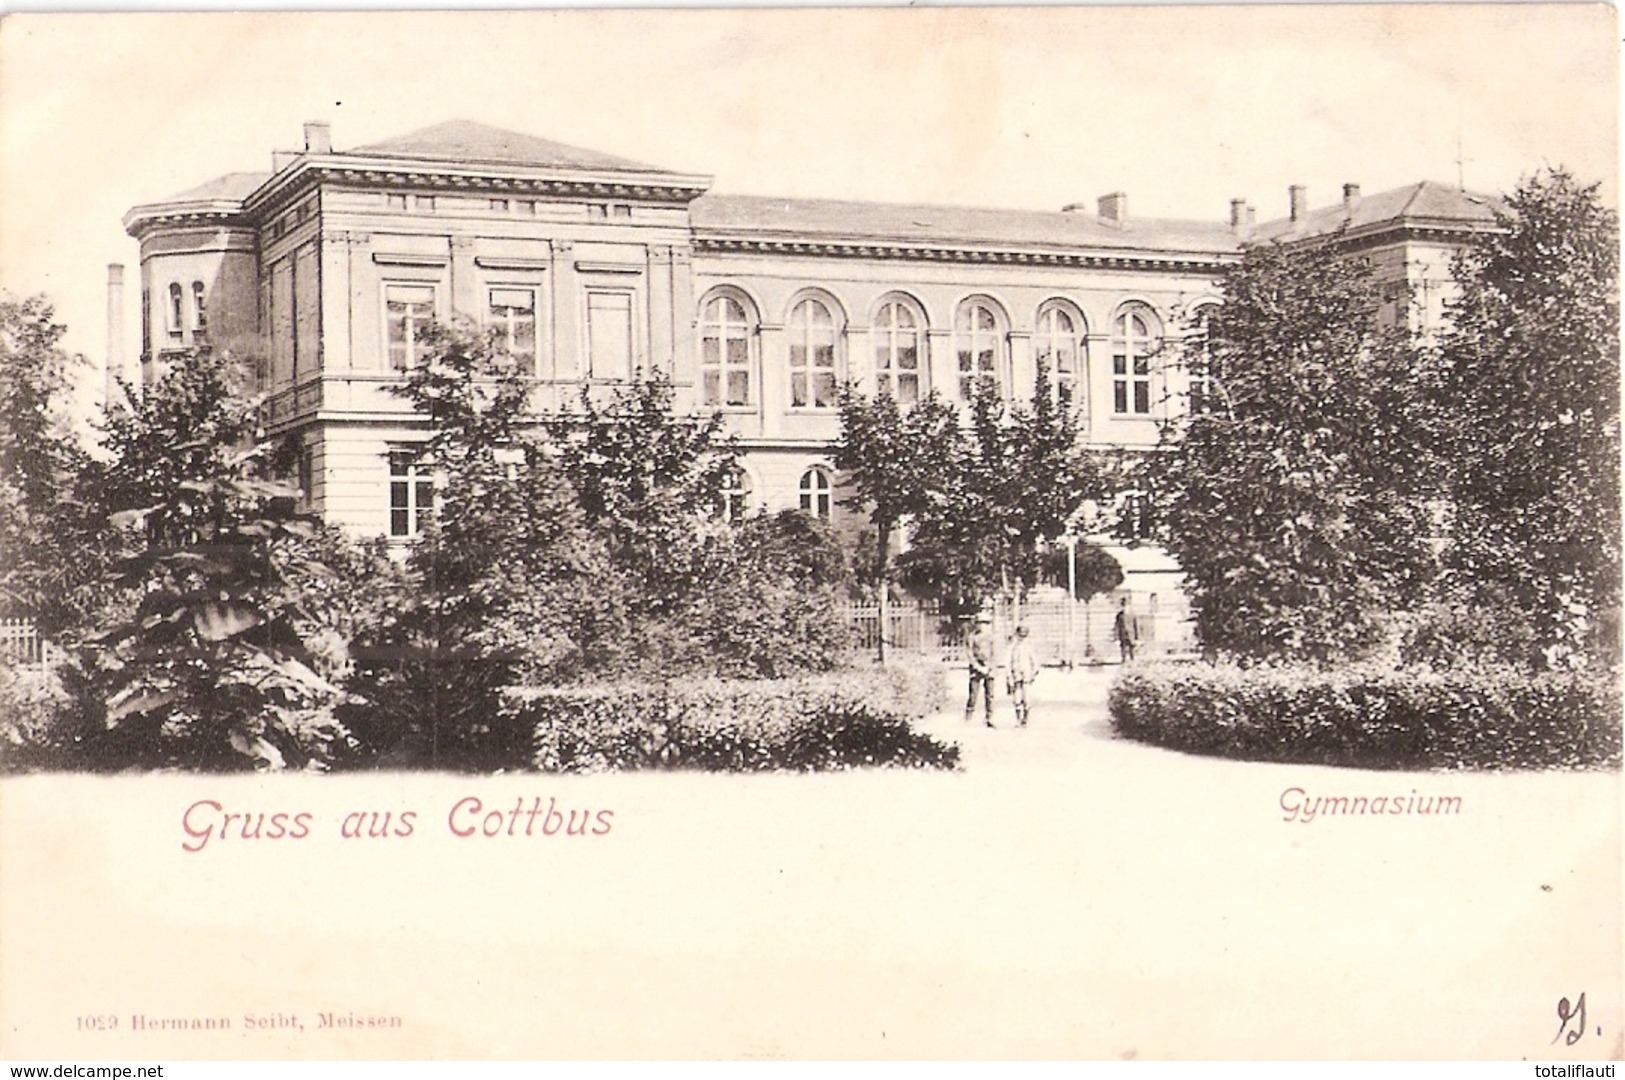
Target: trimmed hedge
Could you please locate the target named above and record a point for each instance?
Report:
(1413, 718)
(816, 722)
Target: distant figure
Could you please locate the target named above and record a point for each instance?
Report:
(1020, 670)
(980, 646)
(1128, 630)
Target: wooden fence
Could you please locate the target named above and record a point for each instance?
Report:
(1061, 631)
(21, 645)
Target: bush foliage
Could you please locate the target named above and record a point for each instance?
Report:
(1492, 717)
(807, 723)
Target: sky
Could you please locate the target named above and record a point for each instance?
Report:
(1183, 108)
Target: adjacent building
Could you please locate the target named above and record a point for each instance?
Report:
(595, 270)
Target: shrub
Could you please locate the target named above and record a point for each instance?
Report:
(36, 718)
(1413, 718)
(837, 721)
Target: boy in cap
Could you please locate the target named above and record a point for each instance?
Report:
(980, 645)
(1020, 670)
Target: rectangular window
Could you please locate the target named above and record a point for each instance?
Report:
(396, 202)
(527, 207)
(512, 314)
(424, 203)
(408, 311)
(174, 320)
(597, 210)
(499, 205)
(411, 493)
(621, 210)
(1131, 385)
(609, 335)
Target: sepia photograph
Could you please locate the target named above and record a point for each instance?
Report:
(897, 534)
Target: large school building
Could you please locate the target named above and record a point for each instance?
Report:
(596, 269)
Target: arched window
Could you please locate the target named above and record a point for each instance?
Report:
(727, 341)
(174, 322)
(1199, 354)
(733, 498)
(898, 337)
(979, 344)
(1060, 343)
(817, 493)
(200, 319)
(813, 378)
(1135, 336)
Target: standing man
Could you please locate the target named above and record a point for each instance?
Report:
(980, 646)
(1128, 630)
(1020, 670)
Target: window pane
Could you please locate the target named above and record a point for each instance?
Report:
(738, 388)
(515, 299)
(738, 352)
(711, 352)
(824, 390)
(908, 357)
(524, 337)
(713, 387)
(908, 389)
(798, 389)
(1120, 397)
(1142, 397)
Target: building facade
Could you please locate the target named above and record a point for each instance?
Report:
(596, 270)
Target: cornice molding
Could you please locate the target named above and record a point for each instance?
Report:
(450, 178)
(949, 253)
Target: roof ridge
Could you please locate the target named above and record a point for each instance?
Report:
(461, 139)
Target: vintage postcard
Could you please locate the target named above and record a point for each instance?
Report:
(263, 794)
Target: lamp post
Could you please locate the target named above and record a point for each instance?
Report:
(1071, 592)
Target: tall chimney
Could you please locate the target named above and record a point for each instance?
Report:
(1351, 199)
(1298, 195)
(1252, 217)
(1113, 207)
(1238, 216)
(318, 137)
(115, 335)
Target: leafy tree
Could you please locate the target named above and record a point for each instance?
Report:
(1097, 572)
(1295, 500)
(1530, 380)
(211, 650)
(51, 548)
(894, 461)
(646, 477)
(506, 583)
(1020, 476)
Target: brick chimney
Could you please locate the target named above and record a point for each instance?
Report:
(1112, 208)
(1298, 198)
(318, 137)
(1351, 199)
(1238, 216)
